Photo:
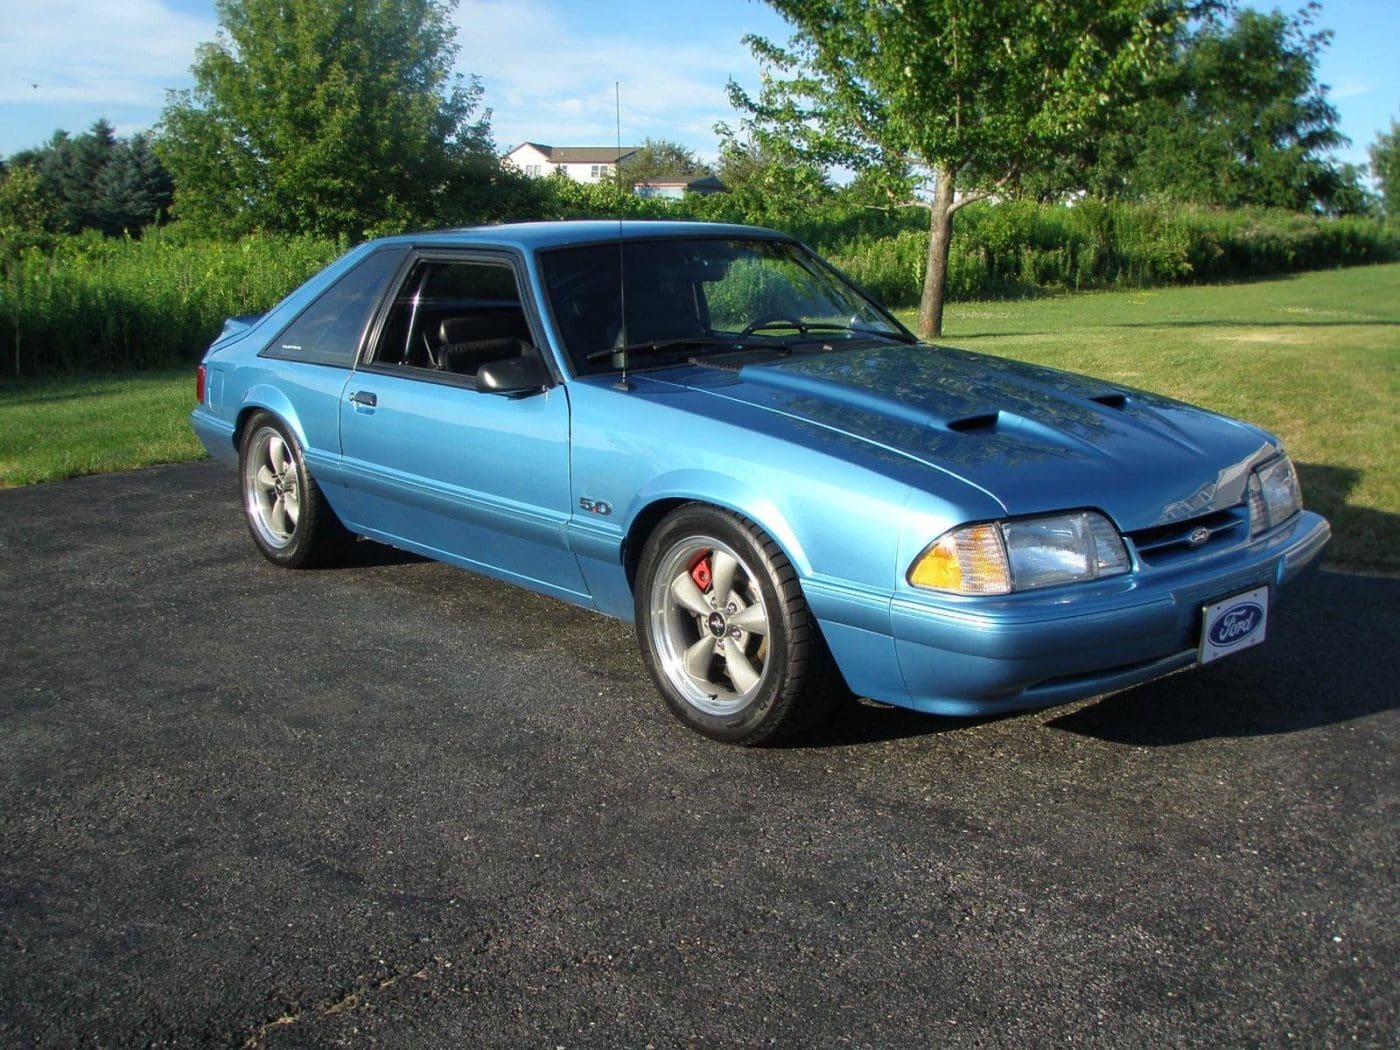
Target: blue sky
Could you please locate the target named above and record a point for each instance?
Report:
(548, 65)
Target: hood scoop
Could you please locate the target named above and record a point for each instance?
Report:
(973, 424)
(1113, 399)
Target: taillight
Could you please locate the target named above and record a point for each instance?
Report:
(199, 385)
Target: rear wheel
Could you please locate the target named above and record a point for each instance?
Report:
(287, 514)
(725, 631)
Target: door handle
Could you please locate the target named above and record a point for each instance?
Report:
(364, 397)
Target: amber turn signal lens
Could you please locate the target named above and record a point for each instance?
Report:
(970, 560)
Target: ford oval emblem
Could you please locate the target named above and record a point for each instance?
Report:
(1236, 623)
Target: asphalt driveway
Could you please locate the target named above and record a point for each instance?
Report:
(394, 803)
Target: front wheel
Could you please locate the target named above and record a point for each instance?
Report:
(725, 631)
(291, 522)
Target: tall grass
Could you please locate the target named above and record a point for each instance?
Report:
(96, 305)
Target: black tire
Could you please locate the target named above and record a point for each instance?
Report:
(287, 514)
(748, 666)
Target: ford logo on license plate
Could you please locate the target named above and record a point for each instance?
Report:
(1234, 623)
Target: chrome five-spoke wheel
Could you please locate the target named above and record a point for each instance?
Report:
(290, 520)
(725, 630)
(709, 625)
(271, 488)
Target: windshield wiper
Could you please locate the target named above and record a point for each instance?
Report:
(657, 345)
(807, 327)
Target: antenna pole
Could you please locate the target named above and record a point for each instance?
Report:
(622, 383)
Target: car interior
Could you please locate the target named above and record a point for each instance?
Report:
(454, 317)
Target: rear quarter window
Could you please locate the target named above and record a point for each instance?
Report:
(328, 332)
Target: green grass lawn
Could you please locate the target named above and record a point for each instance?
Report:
(1315, 358)
(63, 428)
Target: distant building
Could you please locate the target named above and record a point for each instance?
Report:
(678, 187)
(580, 163)
(599, 164)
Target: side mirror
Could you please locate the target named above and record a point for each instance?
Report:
(514, 376)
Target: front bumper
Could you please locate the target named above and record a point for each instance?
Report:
(978, 656)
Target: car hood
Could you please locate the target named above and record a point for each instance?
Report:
(1035, 439)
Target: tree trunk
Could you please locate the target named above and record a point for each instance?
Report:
(940, 236)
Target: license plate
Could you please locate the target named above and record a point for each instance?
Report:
(1234, 623)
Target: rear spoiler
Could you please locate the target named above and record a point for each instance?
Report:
(237, 326)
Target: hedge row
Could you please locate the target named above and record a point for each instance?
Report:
(95, 305)
(1021, 248)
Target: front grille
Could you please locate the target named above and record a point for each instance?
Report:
(1163, 544)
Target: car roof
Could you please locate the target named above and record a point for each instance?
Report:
(531, 236)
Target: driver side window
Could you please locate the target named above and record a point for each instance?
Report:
(451, 317)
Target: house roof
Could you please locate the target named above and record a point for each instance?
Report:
(580, 154)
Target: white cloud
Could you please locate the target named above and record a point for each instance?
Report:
(548, 66)
(550, 79)
(1349, 89)
(58, 52)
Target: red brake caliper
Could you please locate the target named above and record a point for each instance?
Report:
(700, 572)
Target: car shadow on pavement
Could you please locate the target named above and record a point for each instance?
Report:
(1331, 656)
(370, 554)
(867, 722)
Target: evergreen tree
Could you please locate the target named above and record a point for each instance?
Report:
(132, 190)
(67, 167)
(98, 181)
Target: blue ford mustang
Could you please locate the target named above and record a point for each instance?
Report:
(709, 431)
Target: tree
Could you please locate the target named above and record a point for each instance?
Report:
(757, 167)
(26, 219)
(1239, 118)
(99, 181)
(26, 214)
(964, 96)
(133, 189)
(1349, 193)
(1385, 166)
(327, 116)
(661, 159)
(67, 168)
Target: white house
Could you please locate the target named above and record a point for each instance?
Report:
(580, 163)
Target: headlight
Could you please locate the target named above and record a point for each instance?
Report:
(1020, 555)
(1274, 495)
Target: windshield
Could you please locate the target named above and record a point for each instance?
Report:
(689, 297)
